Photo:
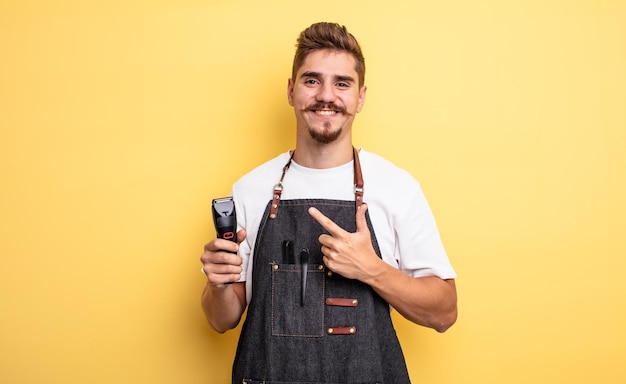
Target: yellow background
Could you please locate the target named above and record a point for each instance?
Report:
(120, 120)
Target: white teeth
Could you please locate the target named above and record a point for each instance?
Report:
(325, 113)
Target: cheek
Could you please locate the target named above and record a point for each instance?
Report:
(353, 106)
(300, 100)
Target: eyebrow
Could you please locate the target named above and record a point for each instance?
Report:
(337, 77)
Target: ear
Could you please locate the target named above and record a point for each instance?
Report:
(362, 92)
(290, 85)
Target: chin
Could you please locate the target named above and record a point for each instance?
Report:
(326, 136)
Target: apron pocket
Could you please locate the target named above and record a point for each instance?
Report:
(291, 315)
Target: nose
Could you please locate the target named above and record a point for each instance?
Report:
(326, 93)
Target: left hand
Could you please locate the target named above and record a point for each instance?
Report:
(349, 254)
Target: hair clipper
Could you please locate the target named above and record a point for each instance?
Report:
(225, 218)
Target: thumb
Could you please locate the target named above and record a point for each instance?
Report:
(361, 222)
(241, 236)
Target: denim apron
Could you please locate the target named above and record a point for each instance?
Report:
(306, 324)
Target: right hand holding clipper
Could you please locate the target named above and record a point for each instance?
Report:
(220, 261)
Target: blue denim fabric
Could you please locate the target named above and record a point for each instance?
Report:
(284, 340)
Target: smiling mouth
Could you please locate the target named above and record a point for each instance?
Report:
(323, 109)
(325, 112)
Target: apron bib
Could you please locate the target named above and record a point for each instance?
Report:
(306, 324)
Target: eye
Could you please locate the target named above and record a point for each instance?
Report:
(343, 85)
(311, 82)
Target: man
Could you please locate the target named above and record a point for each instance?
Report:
(331, 238)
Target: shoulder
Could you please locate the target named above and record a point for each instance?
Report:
(382, 173)
(390, 190)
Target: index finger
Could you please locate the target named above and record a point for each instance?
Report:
(325, 222)
(217, 245)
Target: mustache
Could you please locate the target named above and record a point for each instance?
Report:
(332, 106)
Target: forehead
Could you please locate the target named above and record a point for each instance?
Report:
(329, 62)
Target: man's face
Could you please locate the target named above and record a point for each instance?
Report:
(326, 95)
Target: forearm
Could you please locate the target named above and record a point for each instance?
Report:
(428, 301)
(223, 306)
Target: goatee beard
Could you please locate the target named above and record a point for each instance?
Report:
(324, 137)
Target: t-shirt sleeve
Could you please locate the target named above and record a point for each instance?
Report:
(420, 251)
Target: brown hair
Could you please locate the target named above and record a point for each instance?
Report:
(328, 36)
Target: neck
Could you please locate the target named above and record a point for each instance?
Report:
(321, 156)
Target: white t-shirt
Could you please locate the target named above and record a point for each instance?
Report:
(401, 217)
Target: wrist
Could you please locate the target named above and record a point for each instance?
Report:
(376, 272)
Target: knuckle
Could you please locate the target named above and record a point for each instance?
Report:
(225, 258)
(205, 258)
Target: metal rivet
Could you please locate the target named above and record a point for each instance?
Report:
(330, 330)
(272, 216)
(330, 273)
(275, 266)
(355, 302)
(321, 267)
(352, 330)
